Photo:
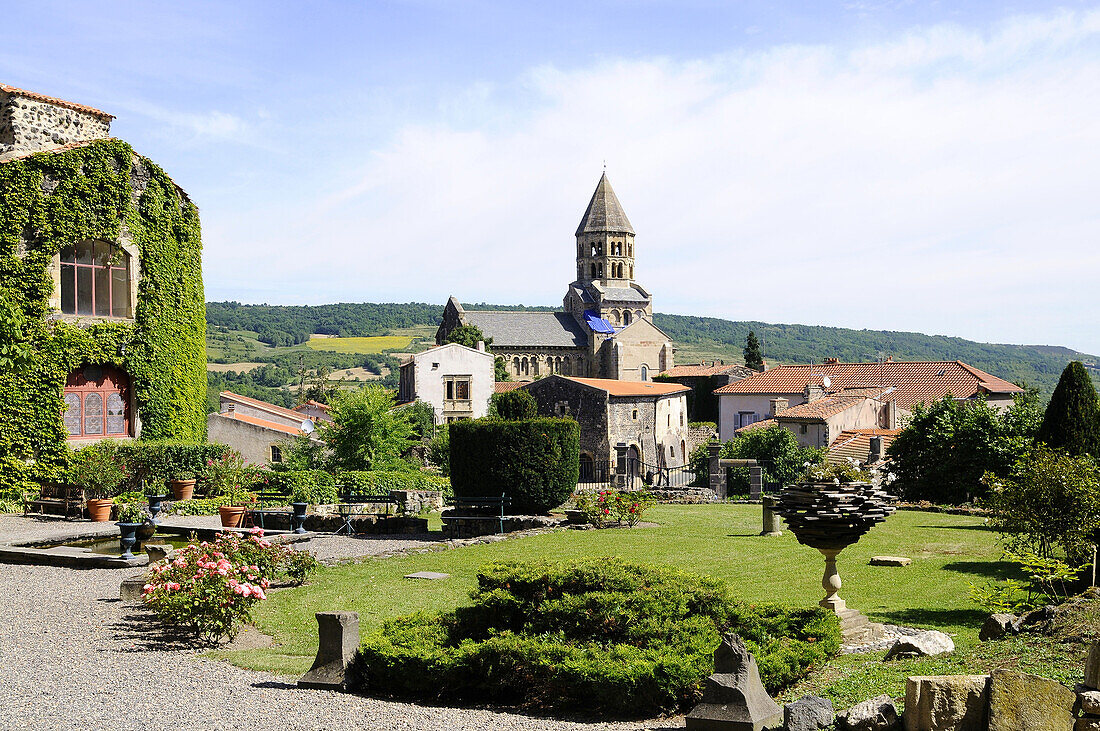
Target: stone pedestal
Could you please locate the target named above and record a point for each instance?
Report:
(830, 582)
(734, 699)
(772, 524)
(338, 639)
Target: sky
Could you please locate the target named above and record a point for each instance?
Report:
(921, 166)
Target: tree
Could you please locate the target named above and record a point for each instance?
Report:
(468, 335)
(777, 450)
(500, 369)
(366, 432)
(754, 358)
(514, 405)
(1072, 420)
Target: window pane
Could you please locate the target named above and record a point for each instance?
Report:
(84, 252)
(120, 292)
(68, 288)
(450, 390)
(102, 253)
(116, 414)
(72, 414)
(462, 390)
(93, 413)
(68, 254)
(84, 291)
(102, 291)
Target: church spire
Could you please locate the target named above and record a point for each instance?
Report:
(604, 214)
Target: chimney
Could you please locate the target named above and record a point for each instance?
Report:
(30, 121)
(481, 346)
(889, 359)
(230, 408)
(778, 404)
(813, 392)
(831, 361)
(876, 453)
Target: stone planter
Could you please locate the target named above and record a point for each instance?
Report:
(183, 489)
(128, 539)
(99, 510)
(231, 515)
(298, 518)
(156, 504)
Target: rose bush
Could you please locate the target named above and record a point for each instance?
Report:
(621, 506)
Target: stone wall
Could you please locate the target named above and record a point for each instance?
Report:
(559, 397)
(29, 124)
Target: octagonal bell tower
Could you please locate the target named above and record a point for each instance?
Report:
(605, 240)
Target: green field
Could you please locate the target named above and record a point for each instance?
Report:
(376, 344)
(948, 552)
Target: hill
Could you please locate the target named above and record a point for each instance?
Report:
(696, 338)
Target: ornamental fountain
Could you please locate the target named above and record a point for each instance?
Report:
(830, 517)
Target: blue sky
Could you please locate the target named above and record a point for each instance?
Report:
(887, 165)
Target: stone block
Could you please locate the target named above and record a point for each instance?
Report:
(338, 640)
(1087, 724)
(734, 699)
(1089, 702)
(924, 644)
(890, 561)
(997, 626)
(1023, 702)
(130, 589)
(1092, 667)
(876, 714)
(946, 703)
(808, 713)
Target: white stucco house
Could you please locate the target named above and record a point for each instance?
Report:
(457, 381)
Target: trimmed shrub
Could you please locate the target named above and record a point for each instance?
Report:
(381, 481)
(598, 635)
(315, 487)
(167, 460)
(535, 462)
(514, 405)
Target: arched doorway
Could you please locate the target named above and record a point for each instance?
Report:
(633, 464)
(587, 471)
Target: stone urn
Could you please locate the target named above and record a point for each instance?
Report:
(830, 517)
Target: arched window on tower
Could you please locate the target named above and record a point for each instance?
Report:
(566, 366)
(645, 373)
(615, 317)
(600, 269)
(593, 248)
(593, 271)
(627, 319)
(515, 366)
(632, 271)
(95, 280)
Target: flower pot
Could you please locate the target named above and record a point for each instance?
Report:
(99, 510)
(231, 515)
(128, 539)
(156, 504)
(298, 518)
(183, 489)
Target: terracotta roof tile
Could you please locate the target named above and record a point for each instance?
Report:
(762, 424)
(505, 386)
(856, 443)
(719, 369)
(629, 388)
(256, 403)
(256, 421)
(55, 101)
(820, 409)
(913, 381)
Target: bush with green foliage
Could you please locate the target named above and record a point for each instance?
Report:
(535, 462)
(597, 635)
(421, 415)
(947, 448)
(781, 457)
(315, 487)
(1049, 504)
(167, 460)
(439, 450)
(198, 506)
(380, 482)
(100, 469)
(621, 506)
(513, 405)
(1072, 419)
(366, 432)
(1050, 581)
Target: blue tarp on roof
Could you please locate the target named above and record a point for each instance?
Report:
(597, 323)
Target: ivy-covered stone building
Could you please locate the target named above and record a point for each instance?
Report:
(102, 315)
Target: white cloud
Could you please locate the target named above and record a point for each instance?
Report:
(942, 181)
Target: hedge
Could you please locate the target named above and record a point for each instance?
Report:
(598, 635)
(535, 462)
(164, 459)
(315, 487)
(377, 482)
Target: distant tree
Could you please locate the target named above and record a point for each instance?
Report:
(754, 357)
(468, 335)
(366, 432)
(514, 405)
(500, 369)
(1072, 420)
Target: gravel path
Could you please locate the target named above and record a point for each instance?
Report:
(73, 657)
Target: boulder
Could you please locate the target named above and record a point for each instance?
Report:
(808, 713)
(1089, 701)
(1023, 702)
(877, 714)
(1087, 724)
(997, 626)
(890, 561)
(734, 699)
(1092, 667)
(946, 702)
(925, 644)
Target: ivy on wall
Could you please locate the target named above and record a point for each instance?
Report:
(99, 191)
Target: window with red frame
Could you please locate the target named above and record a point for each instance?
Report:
(95, 280)
(97, 403)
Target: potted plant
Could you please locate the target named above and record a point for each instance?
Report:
(99, 470)
(230, 477)
(131, 517)
(183, 484)
(154, 493)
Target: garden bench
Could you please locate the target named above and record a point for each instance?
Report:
(265, 501)
(352, 506)
(479, 507)
(56, 499)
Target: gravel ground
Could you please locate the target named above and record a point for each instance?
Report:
(73, 657)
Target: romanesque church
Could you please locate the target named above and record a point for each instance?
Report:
(605, 329)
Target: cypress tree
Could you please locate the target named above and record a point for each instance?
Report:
(753, 357)
(1072, 420)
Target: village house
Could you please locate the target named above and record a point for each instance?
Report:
(819, 402)
(606, 328)
(650, 419)
(256, 429)
(703, 379)
(456, 380)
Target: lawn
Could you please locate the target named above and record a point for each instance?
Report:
(375, 344)
(720, 540)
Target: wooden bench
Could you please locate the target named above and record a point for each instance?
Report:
(479, 507)
(351, 507)
(57, 499)
(265, 501)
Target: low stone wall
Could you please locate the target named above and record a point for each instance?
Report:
(329, 523)
(471, 526)
(418, 501)
(685, 495)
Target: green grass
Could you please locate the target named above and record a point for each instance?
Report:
(721, 540)
(375, 344)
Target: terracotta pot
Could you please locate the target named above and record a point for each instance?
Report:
(99, 510)
(231, 515)
(183, 489)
